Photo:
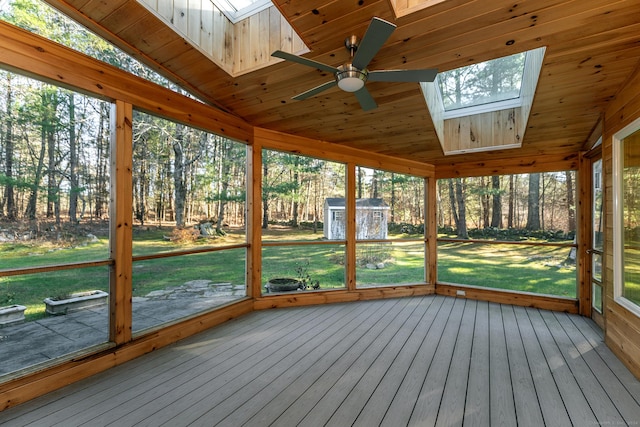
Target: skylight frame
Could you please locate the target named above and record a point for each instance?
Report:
(236, 13)
(490, 106)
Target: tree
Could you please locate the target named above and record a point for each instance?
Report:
(9, 197)
(533, 202)
(225, 169)
(571, 213)
(512, 196)
(496, 210)
(457, 200)
(73, 162)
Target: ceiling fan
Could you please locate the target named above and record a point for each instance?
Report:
(352, 76)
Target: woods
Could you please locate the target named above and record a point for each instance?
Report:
(54, 165)
(54, 162)
(533, 202)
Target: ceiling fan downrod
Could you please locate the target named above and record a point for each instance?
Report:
(349, 77)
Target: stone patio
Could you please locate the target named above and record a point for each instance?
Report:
(40, 341)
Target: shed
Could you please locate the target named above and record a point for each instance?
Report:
(371, 218)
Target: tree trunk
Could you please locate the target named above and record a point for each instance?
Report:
(570, 202)
(393, 197)
(265, 198)
(30, 211)
(49, 105)
(496, 211)
(374, 185)
(511, 201)
(484, 198)
(533, 203)
(179, 189)
(462, 211)
(225, 167)
(452, 203)
(102, 183)
(51, 173)
(9, 196)
(296, 191)
(73, 163)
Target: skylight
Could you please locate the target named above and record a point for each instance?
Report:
(484, 106)
(237, 10)
(494, 82)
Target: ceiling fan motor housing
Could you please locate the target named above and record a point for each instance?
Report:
(350, 78)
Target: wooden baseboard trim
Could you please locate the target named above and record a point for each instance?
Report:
(567, 305)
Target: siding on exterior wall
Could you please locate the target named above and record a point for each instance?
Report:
(622, 328)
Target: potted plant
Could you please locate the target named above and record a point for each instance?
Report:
(287, 284)
(75, 301)
(283, 284)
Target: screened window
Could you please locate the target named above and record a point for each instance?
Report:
(189, 240)
(390, 247)
(303, 223)
(54, 204)
(491, 226)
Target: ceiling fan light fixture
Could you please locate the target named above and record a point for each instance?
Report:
(350, 79)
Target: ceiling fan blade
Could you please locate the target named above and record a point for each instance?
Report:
(304, 61)
(426, 75)
(376, 35)
(316, 90)
(365, 99)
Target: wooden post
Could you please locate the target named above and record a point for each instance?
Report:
(350, 217)
(431, 232)
(584, 230)
(254, 219)
(121, 214)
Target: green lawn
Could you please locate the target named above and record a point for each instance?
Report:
(531, 269)
(632, 273)
(537, 269)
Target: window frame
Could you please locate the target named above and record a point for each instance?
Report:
(618, 224)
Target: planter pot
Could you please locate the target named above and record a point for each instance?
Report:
(76, 301)
(11, 314)
(283, 284)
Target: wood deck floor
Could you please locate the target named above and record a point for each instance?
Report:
(413, 361)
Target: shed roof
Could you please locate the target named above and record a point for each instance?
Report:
(339, 202)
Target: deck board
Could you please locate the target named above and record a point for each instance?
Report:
(476, 411)
(580, 413)
(600, 403)
(451, 411)
(376, 407)
(502, 405)
(429, 360)
(403, 402)
(524, 390)
(551, 404)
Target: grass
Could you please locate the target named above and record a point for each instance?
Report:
(632, 273)
(537, 269)
(531, 269)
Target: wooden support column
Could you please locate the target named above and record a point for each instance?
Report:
(254, 219)
(584, 231)
(350, 205)
(121, 214)
(431, 232)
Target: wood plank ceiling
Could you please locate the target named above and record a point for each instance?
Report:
(593, 46)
